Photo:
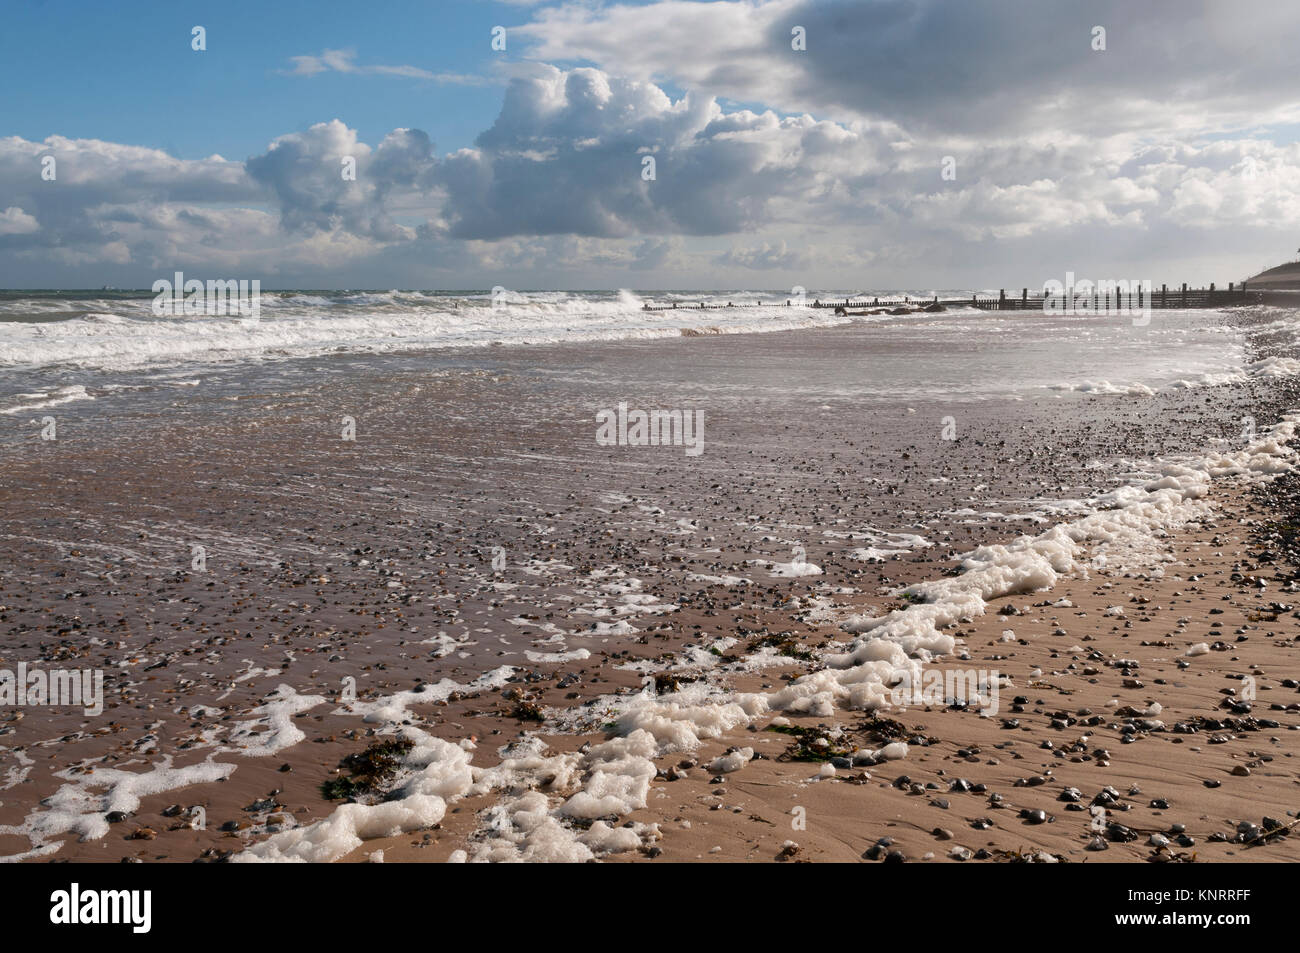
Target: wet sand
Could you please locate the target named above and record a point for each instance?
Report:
(372, 560)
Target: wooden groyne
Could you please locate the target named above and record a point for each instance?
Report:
(1117, 299)
(1099, 301)
(910, 301)
(701, 306)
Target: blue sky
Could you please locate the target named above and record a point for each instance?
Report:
(775, 166)
(125, 72)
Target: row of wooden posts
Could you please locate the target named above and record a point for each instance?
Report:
(1117, 298)
(1100, 301)
(817, 303)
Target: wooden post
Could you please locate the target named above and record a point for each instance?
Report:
(1002, 298)
(1024, 299)
(1164, 293)
(1184, 294)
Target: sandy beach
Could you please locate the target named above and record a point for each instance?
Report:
(475, 633)
(1179, 792)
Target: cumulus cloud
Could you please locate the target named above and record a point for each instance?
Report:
(325, 179)
(567, 155)
(14, 221)
(973, 68)
(86, 204)
(89, 198)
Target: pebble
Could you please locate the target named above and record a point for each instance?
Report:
(1120, 833)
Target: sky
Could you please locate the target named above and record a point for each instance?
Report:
(758, 144)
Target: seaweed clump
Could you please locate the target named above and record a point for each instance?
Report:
(526, 710)
(886, 728)
(369, 771)
(784, 643)
(666, 683)
(811, 744)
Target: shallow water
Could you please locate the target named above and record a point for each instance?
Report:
(62, 349)
(881, 438)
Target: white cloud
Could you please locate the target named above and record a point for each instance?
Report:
(14, 221)
(344, 61)
(566, 156)
(766, 257)
(325, 179)
(99, 193)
